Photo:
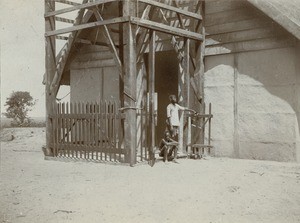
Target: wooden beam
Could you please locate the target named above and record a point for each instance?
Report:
(251, 45)
(67, 2)
(110, 42)
(50, 66)
(144, 36)
(62, 37)
(180, 57)
(173, 9)
(129, 44)
(151, 86)
(166, 29)
(87, 26)
(61, 19)
(179, 16)
(77, 7)
(60, 65)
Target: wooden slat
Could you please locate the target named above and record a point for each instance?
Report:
(166, 29)
(110, 43)
(87, 26)
(106, 130)
(62, 37)
(101, 135)
(77, 7)
(231, 16)
(237, 26)
(245, 35)
(221, 6)
(253, 45)
(173, 9)
(93, 64)
(61, 19)
(67, 2)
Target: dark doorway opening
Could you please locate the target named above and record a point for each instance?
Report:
(166, 83)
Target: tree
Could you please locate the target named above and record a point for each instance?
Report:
(18, 104)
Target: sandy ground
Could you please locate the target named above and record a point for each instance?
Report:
(211, 190)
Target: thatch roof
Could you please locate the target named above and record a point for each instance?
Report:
(284, 12)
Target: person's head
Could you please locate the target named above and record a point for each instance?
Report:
(167, 135)
(172, 98)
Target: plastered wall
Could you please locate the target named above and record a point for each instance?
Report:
(255, 98)
(94, 84)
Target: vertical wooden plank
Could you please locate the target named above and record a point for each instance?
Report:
(147, 138)
(71, 129)
(189, 135)
(75, 130)
(129, 63)
(111, 130)
(97, 130)
(93, 125)
(54, 129)
(68, 125)
(63, 126)
(106, 129)
(151, 67)
(203, 129)
(101, 136)
(119, 132)
(187, 132)
(84, 142)
(80, 138)
(209, 127)
(50, 66)
(58, 127)
(141, 131)
(114, 130)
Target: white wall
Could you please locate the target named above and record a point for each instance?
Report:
(255, 114)
(93, 84)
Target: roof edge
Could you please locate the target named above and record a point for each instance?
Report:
(278, 16)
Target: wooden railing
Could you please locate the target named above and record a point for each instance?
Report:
(89, 131)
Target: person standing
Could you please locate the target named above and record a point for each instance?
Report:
(173, 115)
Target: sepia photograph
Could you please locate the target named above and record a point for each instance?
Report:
(150, 111)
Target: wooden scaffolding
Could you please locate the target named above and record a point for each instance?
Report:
(138, 23)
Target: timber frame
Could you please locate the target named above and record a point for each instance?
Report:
(137, 34)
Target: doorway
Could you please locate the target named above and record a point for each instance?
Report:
(166, 83)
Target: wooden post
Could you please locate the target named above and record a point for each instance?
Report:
(50, 67)
(184, 86)
(187, 131)
(129, 50)
(199, 62)
(151, 62)
(209, 128)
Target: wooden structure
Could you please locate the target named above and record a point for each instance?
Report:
(127, 36)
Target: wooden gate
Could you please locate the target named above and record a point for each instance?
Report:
(91, 131)
(199, 132)
(95, 132)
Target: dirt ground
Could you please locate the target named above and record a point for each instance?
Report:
(207, 190)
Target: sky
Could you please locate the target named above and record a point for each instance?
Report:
(22, 50)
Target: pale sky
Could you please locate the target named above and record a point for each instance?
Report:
(22, 50)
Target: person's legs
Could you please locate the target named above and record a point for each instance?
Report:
(164, 153)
